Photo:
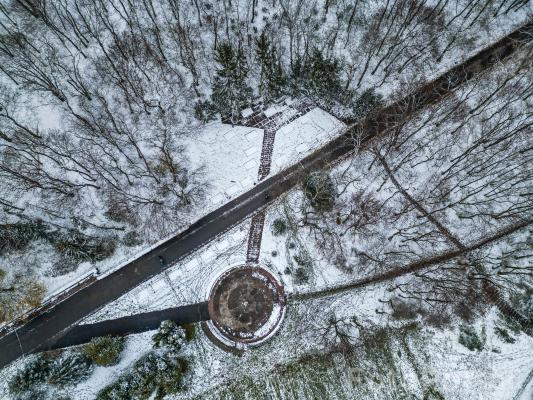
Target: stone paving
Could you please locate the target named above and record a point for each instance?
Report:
(269, 119)
(254, 238)
(272, 119)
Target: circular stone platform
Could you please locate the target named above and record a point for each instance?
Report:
(246, 305)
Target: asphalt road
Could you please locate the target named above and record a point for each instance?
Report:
(45, 331)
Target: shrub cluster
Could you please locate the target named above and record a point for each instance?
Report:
(367, 103)
(81, 247)
(154, 373)
(158, 373)
(279, 227)
(105, 351)
(469, 338)
(169, 336)
(320, 190)
(73, 246)
(17, 236)
(67, 368)
(20, 294)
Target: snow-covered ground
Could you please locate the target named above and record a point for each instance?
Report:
(438, 360)
(231, 157)
(303, 136)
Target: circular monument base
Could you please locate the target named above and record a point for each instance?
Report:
(246, 306)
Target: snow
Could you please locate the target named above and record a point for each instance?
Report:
(136, 346)
(247, 112)
(288, 101)
(527, 394)
(273, 110)
(231, 156)
(302, 136)
(231, 165)
(271, 326)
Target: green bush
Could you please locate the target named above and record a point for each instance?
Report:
(170, 336)
(366, 103)
(205, 111)
(22, 294)
(81, 248)
(18, 236)
(432, 394)
(301, 276)
(73, 246)
(319, 76)
(105, 351)
(64, 265)
(159, 373)
(70, 368)
(67, 368)
(39, 392)
(131, 239)
(320, 190)
(303, 259)
(31, 375)
(230, 89)
(279, 227)
(504, 335)
(522, 302)
(469, 338)
(190, 331)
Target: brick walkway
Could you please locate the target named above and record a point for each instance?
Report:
(254, 238)
(257, 118)
(270, 120)
(266, 153)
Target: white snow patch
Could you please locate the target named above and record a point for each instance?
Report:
(273, 110)
(247, 112)
(302, 136)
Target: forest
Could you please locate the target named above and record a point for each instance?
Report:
(102, 101)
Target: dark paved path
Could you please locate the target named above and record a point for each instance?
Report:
(132, 324)
(266, 153)
(45, 330)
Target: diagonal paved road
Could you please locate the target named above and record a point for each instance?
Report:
(45, 331)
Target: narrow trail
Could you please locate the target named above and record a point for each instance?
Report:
(523, 386)
(285, 114)
(492, 292)
(254, 237)
(410, 268)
